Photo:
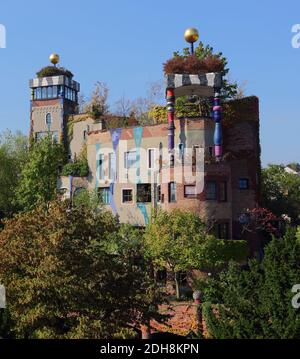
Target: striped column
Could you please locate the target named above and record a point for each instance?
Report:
(171, 126)
(217, 116)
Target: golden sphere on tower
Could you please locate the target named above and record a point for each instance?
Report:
(54, 58)
(191, 35)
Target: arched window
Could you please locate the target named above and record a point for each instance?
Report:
(48, 119)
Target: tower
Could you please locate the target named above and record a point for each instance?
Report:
(54, 96)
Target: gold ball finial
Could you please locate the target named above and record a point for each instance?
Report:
(54, 58)
(191, 35)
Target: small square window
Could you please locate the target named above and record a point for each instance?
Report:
(243, 183)
(143, 193)
(127, 196)
(211, 191)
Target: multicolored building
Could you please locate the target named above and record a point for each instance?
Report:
(204, 164)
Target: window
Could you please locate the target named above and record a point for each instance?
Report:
(172, 192)
(172, 161)
(50, 92)
(211, 191)
(40, 135)
(223, 230)
(181, 150)
(223, 191)
(111, 166)
(194, 156)
(84, 135)
(101, 166)
(44, 92)
(243, 183)
(151, 158)
(129, 159)
(103, 194)
(55, 136)
(39, 93)
(143, 193)
(158, 193)
(60, 90)
(127, 196)
(48, 119)
(54, 91)
(190, 191)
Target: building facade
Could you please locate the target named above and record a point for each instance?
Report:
(204, 165)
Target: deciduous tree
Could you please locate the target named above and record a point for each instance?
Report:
(73, 273)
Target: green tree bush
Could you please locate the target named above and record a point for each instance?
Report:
(38, 182)
(281, 192)
(257, 303)
(72, 273)
(13, 156)
(178, 241)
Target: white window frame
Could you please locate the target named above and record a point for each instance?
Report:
(148, 158)
(126, 159)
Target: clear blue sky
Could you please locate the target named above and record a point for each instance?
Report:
(124, 44)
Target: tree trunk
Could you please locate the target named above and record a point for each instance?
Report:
(177, 284)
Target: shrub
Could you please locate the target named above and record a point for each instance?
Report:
(193, 65)
(213, 64)
(257, 303)
(79, 168)
(54, 71)
(174, 66)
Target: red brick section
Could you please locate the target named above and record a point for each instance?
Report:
(39, 103)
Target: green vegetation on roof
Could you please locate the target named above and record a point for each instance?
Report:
(54, 71)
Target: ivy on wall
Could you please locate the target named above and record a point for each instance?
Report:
(72, 119)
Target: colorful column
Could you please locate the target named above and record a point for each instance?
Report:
(217, 116)
(171, 110)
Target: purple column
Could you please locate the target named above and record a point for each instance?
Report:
(217, 116)
(171, 126)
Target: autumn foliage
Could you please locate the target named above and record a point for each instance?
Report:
(193, 65)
